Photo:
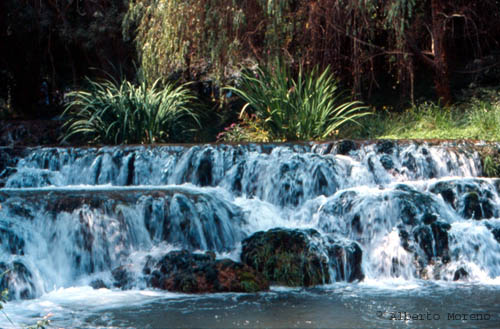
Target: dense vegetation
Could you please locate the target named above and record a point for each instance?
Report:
(394, 54)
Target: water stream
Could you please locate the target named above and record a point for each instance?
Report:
(424, 220)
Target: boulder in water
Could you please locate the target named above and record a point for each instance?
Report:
(122, 276)
(345, 261)
(286, 257)
(460, 274)
(187, 272)
(295, 257)
(98, 284)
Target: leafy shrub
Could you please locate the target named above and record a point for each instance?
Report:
(249, 129)
(310, 107)
(112, 113)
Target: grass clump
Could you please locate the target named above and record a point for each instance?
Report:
(109, 112)
(310, 107)
(475, 116)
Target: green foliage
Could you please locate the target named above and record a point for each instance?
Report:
(309, 107)
(491, 167)
(249, 129)
(112, 113)
(475, 116)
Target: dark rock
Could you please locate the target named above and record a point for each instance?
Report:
(98, 284)
(472, 206)
(409, 162)
(428, 218)
(385, 146)
(302, 257)
(356, 224)
(346, 146)
(123, 278)
(471, 198)
(439, 231)
(345, 261)
(423, 237)
(405, 237)
(446, 190)
(11, 242)
(386, 162)
(495, 230)
(496, 234)
(187, 272)
(460, 274)
(286, 257)
(204, 172)
(18, 280)
(433, 242)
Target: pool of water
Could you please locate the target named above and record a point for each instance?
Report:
(397, 304)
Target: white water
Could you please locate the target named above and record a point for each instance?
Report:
(70, 216)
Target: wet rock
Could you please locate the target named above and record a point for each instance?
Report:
(405, 238)
(460, 274)
(98, 284)
(409, 162)
(385, 146)
(202, 222)
(11, 241)
(496, 234)
(495, 230)
(386, 162)
(472, 198)
(472, 206)
(429, 218)
(286, 257)
(204, 172)
(345, 261)
(440, 233)
(346, 146)
(423, 237)
(123, 277)
(18, 280)
(188, 272)
(433, 242)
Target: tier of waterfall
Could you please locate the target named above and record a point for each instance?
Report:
(415, 210)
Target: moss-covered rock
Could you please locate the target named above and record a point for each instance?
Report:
(295, 257)
(286, 257)
(187, 272)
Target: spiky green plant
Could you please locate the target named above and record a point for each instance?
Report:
(112, 113)
(309, 107)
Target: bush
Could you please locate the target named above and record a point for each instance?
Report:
(310, 107)
(112, 113)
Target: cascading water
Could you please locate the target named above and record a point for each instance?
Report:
(373, 212)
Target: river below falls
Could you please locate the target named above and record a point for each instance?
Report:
(369, 304)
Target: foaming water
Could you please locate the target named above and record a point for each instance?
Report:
(415, 216)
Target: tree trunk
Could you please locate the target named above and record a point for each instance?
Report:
(441, 70)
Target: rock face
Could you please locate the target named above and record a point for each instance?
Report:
(301, 257)
(471, 199)
(17, 279)
(187, 272)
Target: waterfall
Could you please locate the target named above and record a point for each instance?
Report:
(373, 211)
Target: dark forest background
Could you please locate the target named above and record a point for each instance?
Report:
(385, 52)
